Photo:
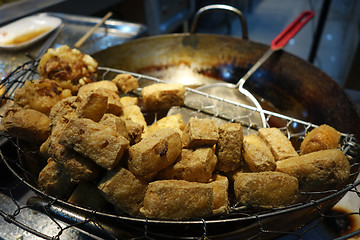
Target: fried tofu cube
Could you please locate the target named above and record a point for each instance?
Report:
(162, 96)
(124, 190)
(155, 152)
(229, 147)
(220, 186)
(193, 165)
(320, 138)
(278, 143)
(135, 131)
(257, 154)
(173, 121)
(320, 167)
(128, 101)
(27, 124)
(200, 132)
(62, 108)
(88, 195)
(94, 106)
(134, 114)
(265, 189)
(116, 123)
(125, 82)
(96, 141)
(177, 199)
(54, 181)
(90, 87)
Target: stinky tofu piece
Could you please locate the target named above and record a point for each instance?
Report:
(116, 123)
(88, 195)
(135, 131)
(278, 143)
(54, 181)
(320, 138)
(78, 167)
(257, 154)
(114, 105)
(128, 101)
(200, 132)
(320, 167)
(125, 82)
(162, 96)
(64, 107)
(96, 141)
(229, 147)
(220, 186)
(193, 165)
(177, 199)
(124, 190)
(27, 124)
(93, 106)
(134, 114)
(265, 189)
(172, 121)
(40, 95)
(104, 84)
(155, 152)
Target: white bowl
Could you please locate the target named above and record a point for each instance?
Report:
(26, 31)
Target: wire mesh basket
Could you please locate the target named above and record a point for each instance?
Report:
(241, 222)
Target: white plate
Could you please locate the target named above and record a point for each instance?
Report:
(26, 31)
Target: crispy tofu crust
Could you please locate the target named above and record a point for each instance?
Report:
(229, 147)
(116, 123)
(162, 96)
(321, 167)
(124, 190)
(88, 195)
(128, 101)
(125, 82)
(27, 124)
(257, 155)
(134, 114)
(93, 107)
(200, 132)
(220, 186)
(265, 189)
(96, 141)
(193, 165)
(173, 121)
(278, 143)
(177, 199)
(155, 152)
(64, 107)
(90, 87)
(320, 138)
(40, 95)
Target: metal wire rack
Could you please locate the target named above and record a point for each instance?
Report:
(241, 222)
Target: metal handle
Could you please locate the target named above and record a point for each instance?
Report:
(217, 7)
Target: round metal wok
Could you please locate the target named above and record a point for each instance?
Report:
(285, 83)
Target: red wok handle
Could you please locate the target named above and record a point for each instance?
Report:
(283, 38)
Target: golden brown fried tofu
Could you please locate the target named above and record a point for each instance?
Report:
(96, 141)
(320, 167)
(54, 181)
(124, 190)
(265, 189)
(278, 143)
(40, 95)
(60, 109)
(116, 123)
(93, 107)
(200, 132)
(177, 199)
(162, 96)
(229, 147)
(135, 131)
(125, 82)
(220, 186)
(27, 124)
(320, 138)
(173, 121)
(78, 167)
(114, 105)
(134, 114)
(155, 152)
(94, 86)
(128, 101)
(69, 67)
(88, 195)
(193, 165)
(257, 154)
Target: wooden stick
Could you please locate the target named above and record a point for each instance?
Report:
(92, 30)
